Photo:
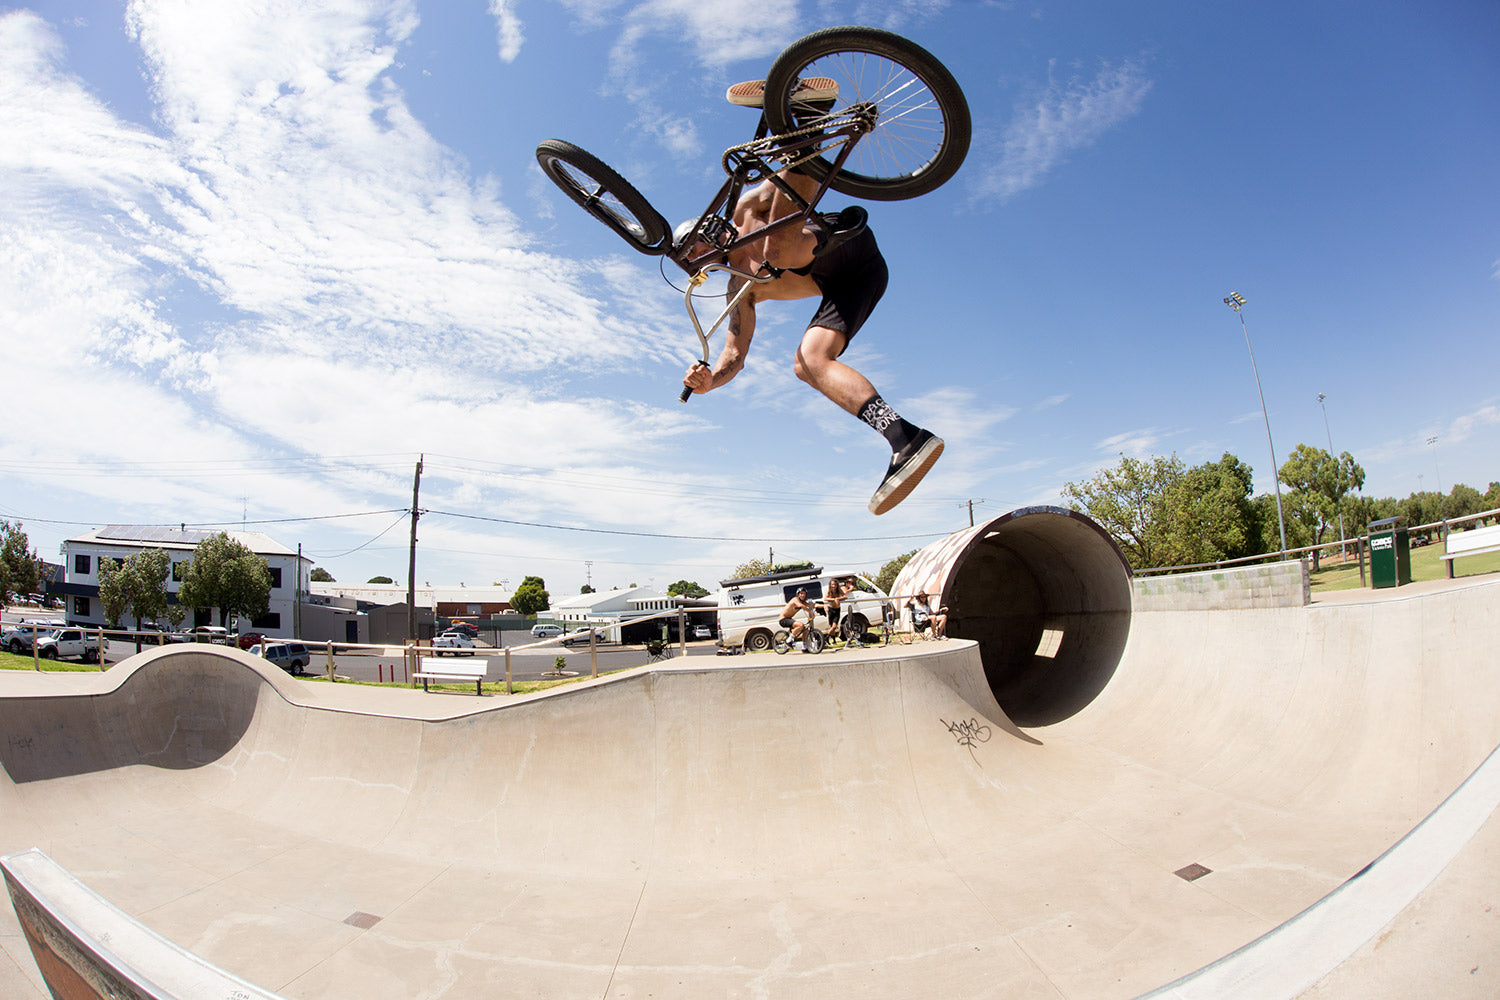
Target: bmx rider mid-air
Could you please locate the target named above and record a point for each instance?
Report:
(840, 264)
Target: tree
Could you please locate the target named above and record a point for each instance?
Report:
(531, 596)
(586, 589)
(1319, 484)
(136, 588)
(225, 574)
(380, 579)
(1164, 514)
(21, 569)
(686, 588)
(1126, 501)
(321, 575)
(1208, 514)
(1464, 500)
(886, 578)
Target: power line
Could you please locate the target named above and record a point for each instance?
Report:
(687, 538)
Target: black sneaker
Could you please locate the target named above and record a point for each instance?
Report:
(908, 466)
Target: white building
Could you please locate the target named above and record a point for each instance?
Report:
(81, 556)
(609, 605)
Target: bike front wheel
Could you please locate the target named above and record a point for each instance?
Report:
(782, 641)
(605, 195)
(921, 127)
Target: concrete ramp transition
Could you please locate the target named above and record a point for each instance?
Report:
(866, 823)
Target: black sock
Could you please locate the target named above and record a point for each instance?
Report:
(878, 414)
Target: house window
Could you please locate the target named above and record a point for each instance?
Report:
(178, 570)
(267, 621)
(81, 605)
(275, 577)
(81, 564)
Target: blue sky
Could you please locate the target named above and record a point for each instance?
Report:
(255, 263)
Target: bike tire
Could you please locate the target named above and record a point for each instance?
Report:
(781, 642)
(605, 195)
(922, 130)
(813, 641)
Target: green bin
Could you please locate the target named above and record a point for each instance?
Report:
(1390, 553)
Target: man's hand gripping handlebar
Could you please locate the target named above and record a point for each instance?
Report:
(751, 280)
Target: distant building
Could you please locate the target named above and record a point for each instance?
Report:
(285, 618)
(444, 602)
(624, 606)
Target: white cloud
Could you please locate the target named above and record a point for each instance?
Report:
(508, 28)
(1065, 118)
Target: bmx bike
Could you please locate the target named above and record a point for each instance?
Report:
(811, 639)
(899, 128)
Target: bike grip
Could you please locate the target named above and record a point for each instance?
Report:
(687, 393)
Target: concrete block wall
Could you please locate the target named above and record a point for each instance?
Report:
(1272, 585)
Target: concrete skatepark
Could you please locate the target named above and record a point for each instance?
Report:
(1081, 799)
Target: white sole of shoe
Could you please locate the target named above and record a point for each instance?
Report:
(892, 493)
(752, 93)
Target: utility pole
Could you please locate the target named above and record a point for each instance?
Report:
(411, 562)
(971, 511)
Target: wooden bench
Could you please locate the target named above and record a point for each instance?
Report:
(1471, 542)
(430, 668)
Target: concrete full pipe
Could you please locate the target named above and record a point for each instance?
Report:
(1046, 594)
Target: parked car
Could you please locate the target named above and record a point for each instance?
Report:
(17, 638)
(293, 657)
(248, 639)
(457, 642)
(211, 633)
(466, 628)
(70, 644)
(546, 631)
(579, 637)
(702, 632)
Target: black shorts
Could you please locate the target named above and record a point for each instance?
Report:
(787, 622)
(833, 615)
(852, 278)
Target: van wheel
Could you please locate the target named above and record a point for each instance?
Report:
(757, 642)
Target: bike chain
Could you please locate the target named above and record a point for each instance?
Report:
(769, 142)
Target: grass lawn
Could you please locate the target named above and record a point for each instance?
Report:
(1425, 565)
(10, 661)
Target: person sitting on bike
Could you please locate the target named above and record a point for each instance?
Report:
(839, 262)
(789, 614)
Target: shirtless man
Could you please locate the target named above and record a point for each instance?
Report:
(848, 273)
(797, 604)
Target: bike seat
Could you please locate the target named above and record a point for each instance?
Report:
(841, 228)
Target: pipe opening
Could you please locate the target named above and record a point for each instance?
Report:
(1045, 592)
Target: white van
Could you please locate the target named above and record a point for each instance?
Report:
(750, 609)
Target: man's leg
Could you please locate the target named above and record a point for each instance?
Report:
(913, 450)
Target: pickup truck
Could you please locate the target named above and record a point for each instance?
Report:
(60, 644)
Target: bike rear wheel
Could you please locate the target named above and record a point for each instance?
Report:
(605, 195)
(922, 125)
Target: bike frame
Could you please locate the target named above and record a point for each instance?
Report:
(751, 164)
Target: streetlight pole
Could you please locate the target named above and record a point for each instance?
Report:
(1235, 301)
(1339, 472)
(1442, 507)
